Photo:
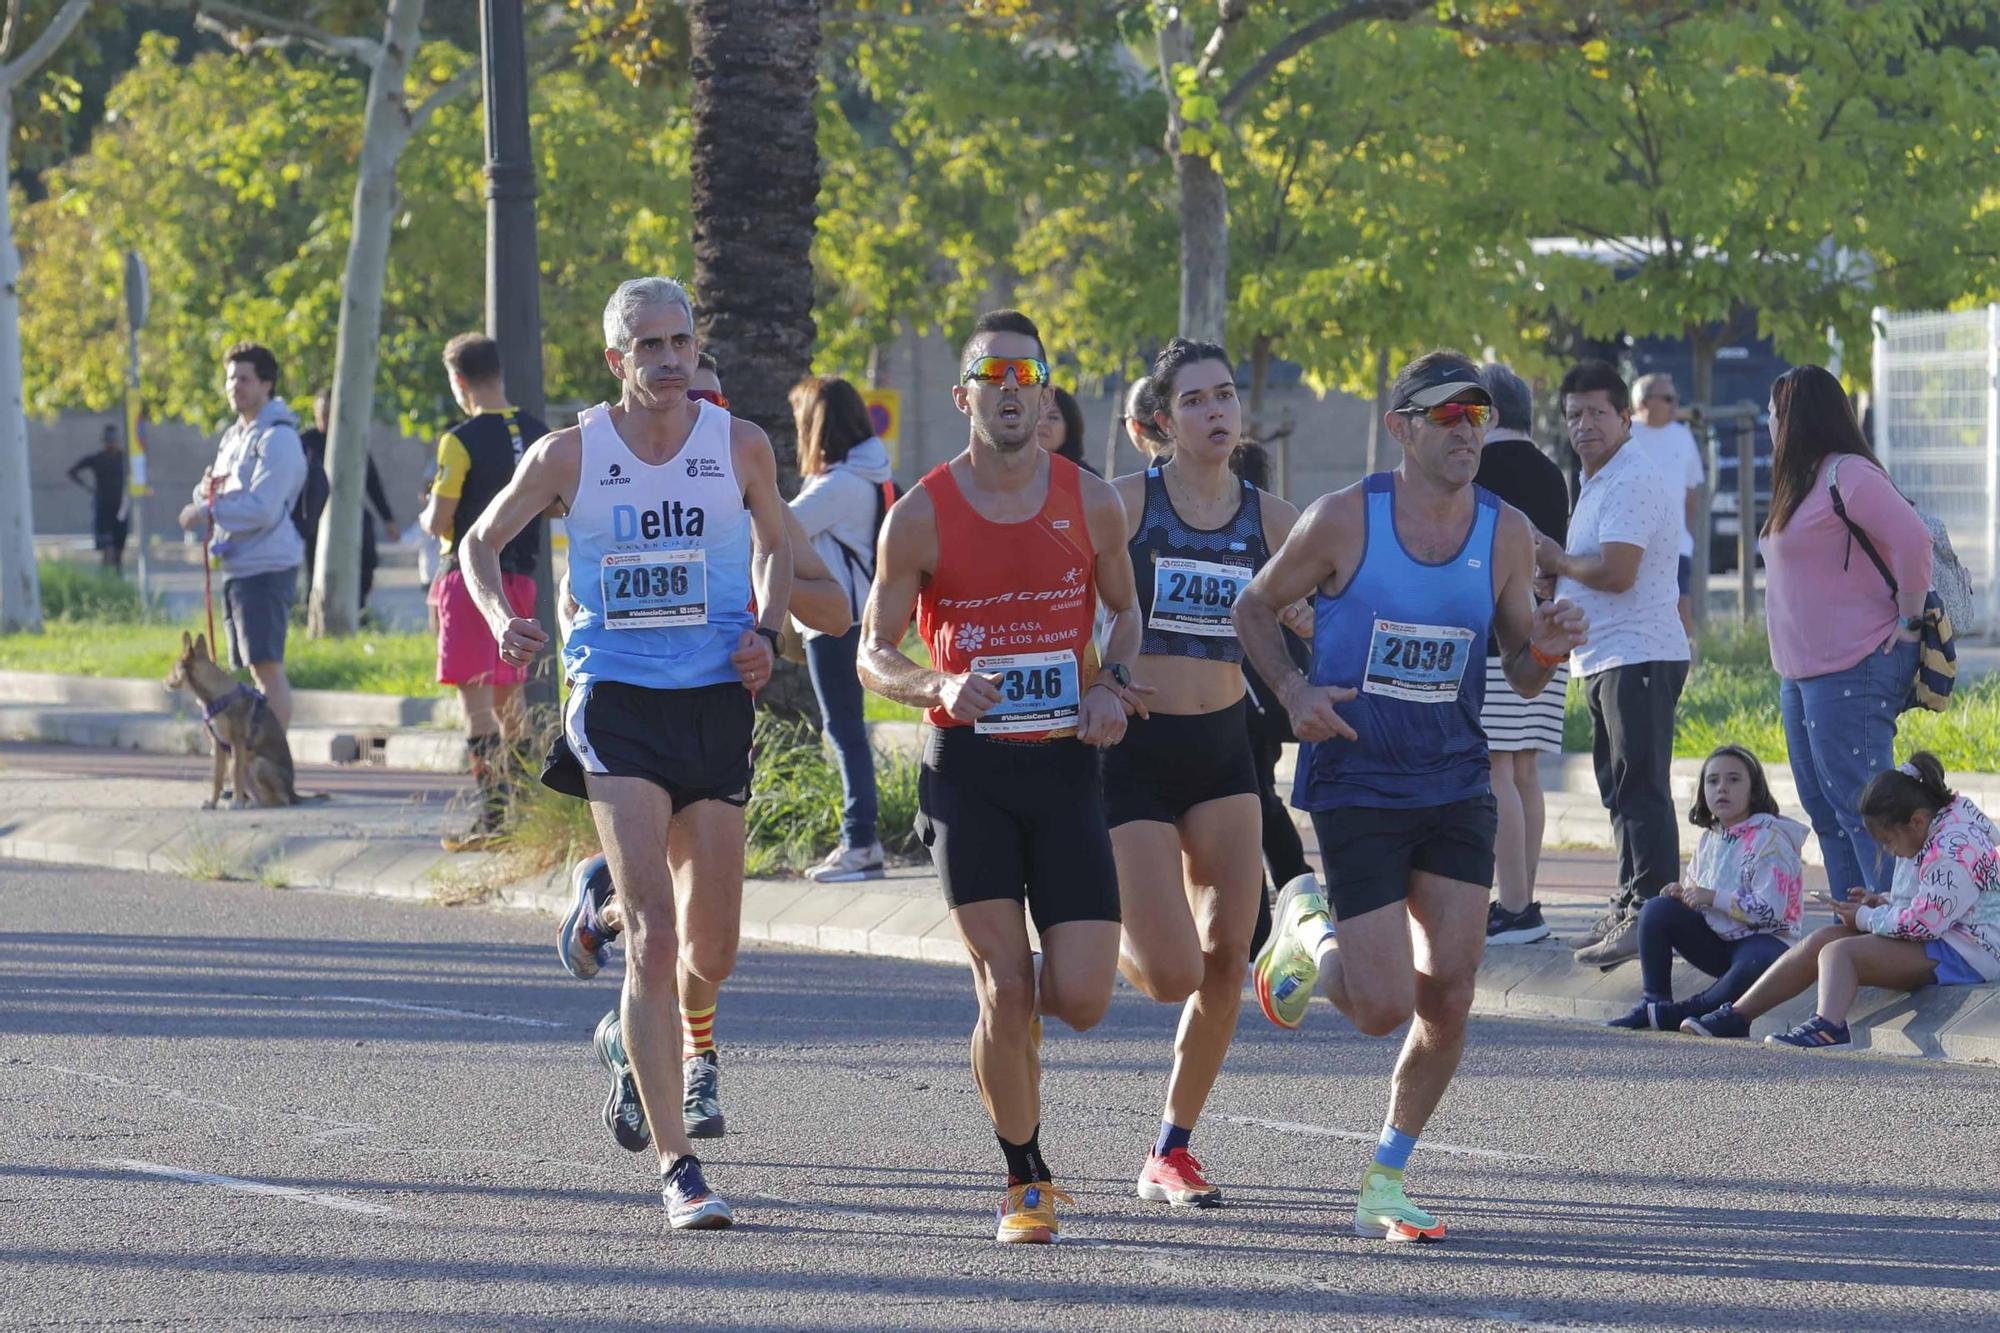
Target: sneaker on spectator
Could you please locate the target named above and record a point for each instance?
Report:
(1619, 945)
(1651, 1016)
(1522, 927)
(1723, 1022)
(846, 865)
(1815, 1031)
(1605, 923)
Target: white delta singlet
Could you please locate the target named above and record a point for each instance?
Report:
(659, 560)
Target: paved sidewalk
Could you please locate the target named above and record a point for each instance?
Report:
(365, 842)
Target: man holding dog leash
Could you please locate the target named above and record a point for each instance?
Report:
(259, 470)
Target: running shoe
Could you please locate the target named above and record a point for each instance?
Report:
(847, 865)
(584, 940)
(1176, 1179)
(691, 1206)
(1028, 1217)
(1814, 1032)
(1723, 1022)
(1522, 927)
(701, 1113)
(1287, 970)
(1384, 1213)
(624, 1113)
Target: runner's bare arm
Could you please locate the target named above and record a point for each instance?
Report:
(1105, 703)
(1522, 628)
(818, 601)
(905, 555)
(1280, 517)
(1309, 560)
(771, 544)
(547, 474)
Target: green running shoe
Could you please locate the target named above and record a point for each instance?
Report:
(1384, 1213)
(1286, 971)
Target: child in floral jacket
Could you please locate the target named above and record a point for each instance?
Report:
(1739, 904)
(1939, 925)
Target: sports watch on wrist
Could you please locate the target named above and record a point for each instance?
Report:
(770, 636)
(1914, 624)
(1119, 675)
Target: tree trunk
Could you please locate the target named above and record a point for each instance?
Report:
(756, 189)
(1260, 381)
(1204, 200)
(336, 594)
(20, 589)
(1375, 428)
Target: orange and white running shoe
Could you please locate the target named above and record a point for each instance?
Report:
(1028, 1217)
(1176, 1178)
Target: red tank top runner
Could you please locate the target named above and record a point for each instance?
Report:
(1016, 600)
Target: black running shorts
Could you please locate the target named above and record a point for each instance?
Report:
(1369, 854)
(693, 744)
(1169, 763)
(1017, 820)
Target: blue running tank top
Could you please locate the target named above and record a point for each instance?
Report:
(1189, 578)
(1410, 637)
(659, 559)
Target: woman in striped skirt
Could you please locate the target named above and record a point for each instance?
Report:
(1519, 731)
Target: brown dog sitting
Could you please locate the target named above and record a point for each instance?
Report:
(246, 733)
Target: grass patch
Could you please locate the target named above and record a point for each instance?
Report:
(1732, 698)
(87, 593)
(372, 663)
(275, 874)
(207, 859)
(793, 818)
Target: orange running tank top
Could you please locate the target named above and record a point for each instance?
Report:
(1016, 600)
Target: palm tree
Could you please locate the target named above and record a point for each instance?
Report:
(756, 187)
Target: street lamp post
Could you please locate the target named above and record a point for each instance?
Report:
(513, 268)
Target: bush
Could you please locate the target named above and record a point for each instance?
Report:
(794, 813)
(87, 594)
(793, 818)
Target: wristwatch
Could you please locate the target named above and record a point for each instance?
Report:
(1119, 675)
(771, 636)
(1915, 624)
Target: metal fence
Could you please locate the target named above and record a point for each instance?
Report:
(1936, 405)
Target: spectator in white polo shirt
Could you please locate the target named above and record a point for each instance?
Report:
(1624, 540)
(1666, 439)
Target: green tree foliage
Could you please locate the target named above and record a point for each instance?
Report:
(1789, 163)
(233, 175)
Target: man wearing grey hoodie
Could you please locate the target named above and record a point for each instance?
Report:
(249, 490)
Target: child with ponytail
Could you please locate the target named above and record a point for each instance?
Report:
(1939, 924)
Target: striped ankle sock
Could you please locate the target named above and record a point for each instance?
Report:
(698, 1032)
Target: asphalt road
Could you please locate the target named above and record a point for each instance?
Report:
(227, 1107)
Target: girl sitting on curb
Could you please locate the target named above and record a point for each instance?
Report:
(1939, 925)
(1739, 904)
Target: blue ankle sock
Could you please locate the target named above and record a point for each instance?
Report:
(1172, 1136)
(1393, 1148)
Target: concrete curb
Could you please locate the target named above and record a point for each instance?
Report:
(1957, 1023)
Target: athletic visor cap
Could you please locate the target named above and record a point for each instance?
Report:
(1444, 382)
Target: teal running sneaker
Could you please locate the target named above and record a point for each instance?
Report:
(1286, 972)
(1384, 1213)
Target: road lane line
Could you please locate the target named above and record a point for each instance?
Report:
(337, 1202)
(334, 1128)
(440, 1010)
(1322, 1132)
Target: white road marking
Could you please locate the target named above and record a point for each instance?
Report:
(1322, 1132)
(440, 1010)
(334, 1128)
(337, 1202)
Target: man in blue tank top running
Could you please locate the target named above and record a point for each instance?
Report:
(1408, 570)
(681, 571)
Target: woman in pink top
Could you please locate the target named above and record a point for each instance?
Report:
(1845, 647)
